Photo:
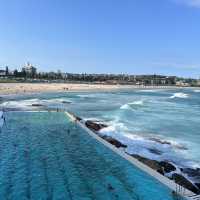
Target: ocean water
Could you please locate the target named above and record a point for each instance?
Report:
(166, 121)
(45, 156)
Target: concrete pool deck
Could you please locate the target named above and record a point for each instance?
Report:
(162, 179)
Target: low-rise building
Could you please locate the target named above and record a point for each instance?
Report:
(2, 72)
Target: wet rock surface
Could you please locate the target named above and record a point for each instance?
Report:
(192, 172)
(66, 102)
(167, 166)
(181, 180)
(95, 126)
(160, 141)
(155, 151)
(114, 142)
(151, 163)
(36, 105)
(78, 118)
(178, 146)
(197, 185)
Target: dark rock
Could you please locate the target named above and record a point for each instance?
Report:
(167, 167)
(114, 142)
(160, 141)
(181, 147)
(94, 126)
(178, 146)
(181, 180)
(197, 185)
(151, 163)
(37, 105)
(78, 118)
(65, 102)
(192, 172)
(155, 151)
(161, 167)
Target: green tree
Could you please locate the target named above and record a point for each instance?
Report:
(7, 71)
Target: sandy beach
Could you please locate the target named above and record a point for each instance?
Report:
(20, 88)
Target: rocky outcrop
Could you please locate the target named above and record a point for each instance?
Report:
(181, 180)
(78, 118)
(37, 105)
(151, 163)
(66, 102)
(167, 167)
(95, 126)
(160, 141)
(162, 167)
(195, 173)
(197, 185)
(178, 146)
(113, 141)
(155, 151)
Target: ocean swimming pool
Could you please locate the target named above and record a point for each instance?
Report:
(44, 155)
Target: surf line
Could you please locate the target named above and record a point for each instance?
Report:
(187, 194)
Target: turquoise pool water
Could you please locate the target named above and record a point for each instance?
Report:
(45, 156)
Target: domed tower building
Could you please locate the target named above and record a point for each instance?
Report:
(29, 70)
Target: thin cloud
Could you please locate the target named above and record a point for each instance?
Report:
(191, 3)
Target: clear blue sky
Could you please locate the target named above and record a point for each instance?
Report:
(102, 36)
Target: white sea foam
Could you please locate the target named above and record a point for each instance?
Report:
(179, 95)
(131, 105)
(140, 102)
(149, 91)
(197, 91)
(27, 103)
(22, 104)
(125, 107)
(1, 119)
(86, 95)
(57, 100)
(143, 145)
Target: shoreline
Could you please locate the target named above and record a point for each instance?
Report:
(30, 88)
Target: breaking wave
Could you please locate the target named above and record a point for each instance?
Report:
(151, 146)
(86, 95)
(179, 95)
(136, 103)
(149, 91)
(125, 107)
(197, 91)
(27, 104)
(131, 105)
